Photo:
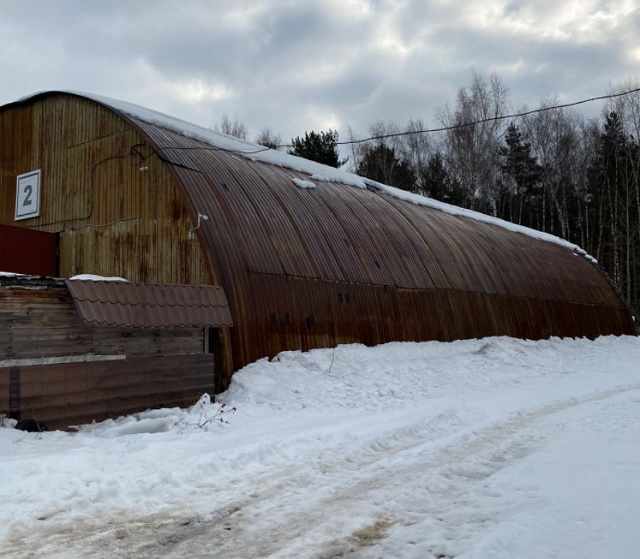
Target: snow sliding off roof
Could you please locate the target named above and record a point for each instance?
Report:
(307, 255)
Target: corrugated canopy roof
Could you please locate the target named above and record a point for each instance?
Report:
(141, 305)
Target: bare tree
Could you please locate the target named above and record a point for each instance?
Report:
(232, 128)
(556, 138)
(625, 112)
(268, 138)
(471, 147)
(419, 148)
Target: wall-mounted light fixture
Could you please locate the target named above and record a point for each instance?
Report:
(201, 218)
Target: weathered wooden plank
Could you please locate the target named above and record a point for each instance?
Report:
(61, 395)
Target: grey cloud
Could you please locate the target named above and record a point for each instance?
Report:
(293, 65)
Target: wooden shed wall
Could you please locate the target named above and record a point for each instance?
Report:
(59, 370)
(42, 322)
(62, 395)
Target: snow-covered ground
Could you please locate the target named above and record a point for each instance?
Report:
(493, 448)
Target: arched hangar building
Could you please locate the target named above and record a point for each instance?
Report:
(307, 256)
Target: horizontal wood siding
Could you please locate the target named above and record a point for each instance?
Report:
(68, 394)
(38, 323)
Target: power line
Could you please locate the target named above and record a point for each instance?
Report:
(391, 135)
(484, 120)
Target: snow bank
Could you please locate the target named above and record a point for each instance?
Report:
(495, 448)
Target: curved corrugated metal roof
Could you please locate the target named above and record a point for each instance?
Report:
(350, 260)
(336, 232)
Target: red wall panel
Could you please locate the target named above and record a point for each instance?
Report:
(27, 251)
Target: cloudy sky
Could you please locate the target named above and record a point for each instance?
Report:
(296, 65)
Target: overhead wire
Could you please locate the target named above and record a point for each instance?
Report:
(482, 121)
(392, 134)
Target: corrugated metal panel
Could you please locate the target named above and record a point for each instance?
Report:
(136, 305)
(469, 278)
(114, 215)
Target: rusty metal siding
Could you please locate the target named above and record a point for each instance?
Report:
(356, 219)
(116, 213)
(305, 250)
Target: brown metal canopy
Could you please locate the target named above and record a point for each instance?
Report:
(143, 305)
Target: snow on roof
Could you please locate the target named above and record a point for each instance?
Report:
(316, 171)
(93, 277)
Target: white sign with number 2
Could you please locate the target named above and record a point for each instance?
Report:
(28, 195)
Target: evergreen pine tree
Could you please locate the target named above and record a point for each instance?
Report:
(381, 163)
(439, 184)
(517, 199)
(318, 146)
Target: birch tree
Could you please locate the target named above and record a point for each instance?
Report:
(471, 146)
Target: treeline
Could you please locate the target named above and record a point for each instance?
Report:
(551, 170)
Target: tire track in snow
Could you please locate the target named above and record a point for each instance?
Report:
(437, 477)
(335, 501)
(130, 535)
